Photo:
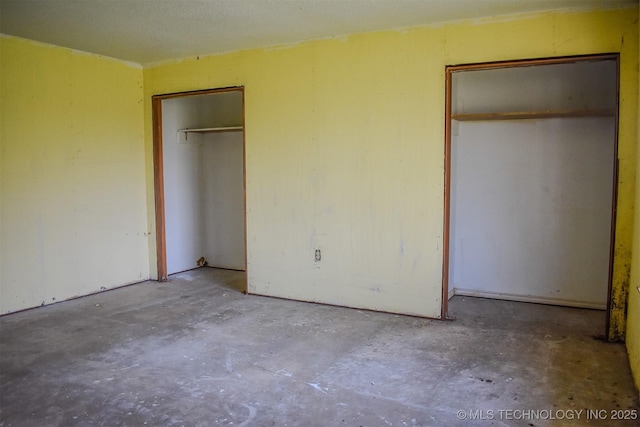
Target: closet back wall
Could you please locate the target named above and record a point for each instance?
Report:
(531, 210)
(222, 157)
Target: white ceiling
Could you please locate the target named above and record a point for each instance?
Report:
(149, 31)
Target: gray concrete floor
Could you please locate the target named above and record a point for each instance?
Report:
(197, 352)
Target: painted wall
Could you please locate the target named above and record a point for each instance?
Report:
(633, 312)
(72, 170)
(223, 194)
(345, 138)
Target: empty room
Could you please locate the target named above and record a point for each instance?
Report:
(323, 212)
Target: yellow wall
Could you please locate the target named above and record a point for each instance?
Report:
(72, 174)
(633, 310)
(344, 141)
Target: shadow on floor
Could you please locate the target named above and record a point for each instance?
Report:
(235, 280)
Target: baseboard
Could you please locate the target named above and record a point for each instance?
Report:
(526, 298)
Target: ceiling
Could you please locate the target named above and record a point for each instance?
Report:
(150, 31)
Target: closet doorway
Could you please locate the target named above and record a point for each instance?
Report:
(530, 180)
(199, 174)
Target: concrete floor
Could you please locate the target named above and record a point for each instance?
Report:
(197, 352)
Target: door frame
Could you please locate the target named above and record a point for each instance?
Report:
(158, 173)
(449, 70)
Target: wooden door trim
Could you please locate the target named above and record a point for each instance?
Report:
(609, 334)
(244, 190)
(158, 173)
(444, 310)
(532, 62)
(449, 70)
(158, 189)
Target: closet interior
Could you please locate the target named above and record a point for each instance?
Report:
(532, 181)
(203, 179)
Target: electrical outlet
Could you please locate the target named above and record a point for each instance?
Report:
(318, 255)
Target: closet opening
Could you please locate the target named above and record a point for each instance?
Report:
(531, 181)
(199, 178)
